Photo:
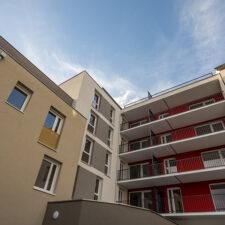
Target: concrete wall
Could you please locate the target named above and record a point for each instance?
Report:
(100, 213)
(102, 129)
(21, 155)
(105, 108)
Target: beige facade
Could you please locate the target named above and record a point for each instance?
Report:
(24, 145)
(83, 89)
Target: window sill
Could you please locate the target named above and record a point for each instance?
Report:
(14, 107)
(53, 149)
(43, 190)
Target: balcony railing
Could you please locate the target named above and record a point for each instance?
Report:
(181, 204)
(208, 160)
(203, 77)
(177, 110)
(176, 135)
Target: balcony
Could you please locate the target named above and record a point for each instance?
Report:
(175, 120)
(191, 138)
(187, 204)
(209, 166)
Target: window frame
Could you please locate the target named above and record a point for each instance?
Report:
(112, 115)
(95, 122)
(141, 144)
(164, 115)
(55, 177)
(98, 193)
(96, 105)
(169, 167)
(55, 124)
(204, 103)
(25, 91)
(90, 151)
(211, 127)
(163, 137)
(108, 163)
(222, 160)
(110, 137)
(142, 197)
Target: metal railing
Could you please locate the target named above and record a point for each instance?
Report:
(175, 135)
(176, 87)
(128, 125)
(180, 204)
(171, 166)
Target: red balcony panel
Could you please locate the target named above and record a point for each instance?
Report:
(189, 164)
(183, 133)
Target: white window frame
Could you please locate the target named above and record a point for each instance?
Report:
(141, 168)
(96, 105)
(110, 137)
(203, 103)
(141, 142)
(222, 160)
(93, 126)
(26, 92)
(173, 209)
(168, 169)
(120, 195)
(88, 153)
(163, 115)
(98, 193)
(210, 125)
(57, 118)
(55, 178)
(138, 123)
(212, 193)
(112, 115)
(108, 163)
(142, 196)
(163, 138)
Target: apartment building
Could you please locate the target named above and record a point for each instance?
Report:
(96, 177)
(41, 137)
(173, 151)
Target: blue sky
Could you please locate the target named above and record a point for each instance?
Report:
(129, 46)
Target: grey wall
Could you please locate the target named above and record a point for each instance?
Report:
(102, 130)
(84, 184)
(98, 157)
(100, 213)
(104, 108)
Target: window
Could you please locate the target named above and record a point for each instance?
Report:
(92, 123)
(170, 165)
(48, 174)
(163, 115)
(19, 97)
(166, 138)
(214, 158)
(139, 145)
(96, 101)
(141, 199)
(98, 188)
(54, 121)
(107, 163)
(112, 115)
(135, 124)
(86, 155)
(120, 196)
(209, 128)
(218, 196)
(139, 171)
(201, 104)
(175, 200)
(109, 139)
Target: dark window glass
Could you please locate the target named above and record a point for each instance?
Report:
(50, 119)
(17, 98)
(135, 199)
(51, 177)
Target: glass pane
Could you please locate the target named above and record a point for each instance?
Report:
(210, 101)
(195, 106)
(57, 125)
(217, 126)
(135, 146)
(145, 144)
(43, 174)
(90, 128)
(211, 159)
(85, 157)
(92, 120)
(51, 177)
(17, 98)
(97, 186)
(148, 200)
(218, 194)
(203, 130)
(135, 171)
(177, 201)
(50, 119)
(87, 147)
(168, 138)
(135, 199)
(145, 170)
